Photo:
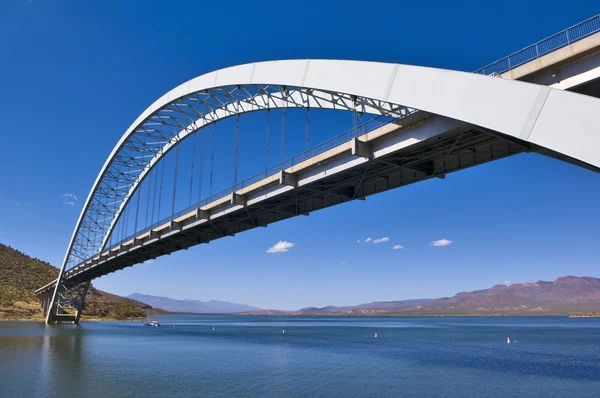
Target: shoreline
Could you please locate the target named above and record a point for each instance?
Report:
(586, 315)
(138, 320)
(42, 320)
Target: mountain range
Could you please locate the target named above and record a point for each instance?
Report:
(563, 296)
(193, 306)
(20, 275)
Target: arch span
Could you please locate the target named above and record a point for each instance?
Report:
(561, 123)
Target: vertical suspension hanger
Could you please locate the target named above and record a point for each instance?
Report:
(283, 109)
(236, 145)
(120, 228)
(137, 211)
(267, 140)
(155, 172)
(160, 190)
(110, 238)
(192, 171)
(360, 118)
(127, 211)
(124, 231)
(175, 179)
(306, 142)
(212, 159)
(353, 112)
(149, 189)
(126, 224)
(201, 173)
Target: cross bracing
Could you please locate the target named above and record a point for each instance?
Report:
(176, 121)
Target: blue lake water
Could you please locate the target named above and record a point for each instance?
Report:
(249, 356)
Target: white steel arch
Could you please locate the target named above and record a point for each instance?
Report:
(564, 123)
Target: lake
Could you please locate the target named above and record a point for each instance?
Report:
(250, 356)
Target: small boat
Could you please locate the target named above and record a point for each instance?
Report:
(283, 331)
(376, 335)
(508, 340)
(213, 328)
(153, 324)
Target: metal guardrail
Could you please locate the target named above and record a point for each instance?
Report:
(273, 170)
(543, 47)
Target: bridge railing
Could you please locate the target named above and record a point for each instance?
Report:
(294, 160)
(543, 47)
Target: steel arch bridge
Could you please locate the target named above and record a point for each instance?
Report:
(430, 122)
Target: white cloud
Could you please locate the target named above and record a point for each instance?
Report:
(344, 262)
(381, 240)
(149, 261)
(441, 243)
(281, 247)
(68, 199)
(358, 241)
(367, 240)
(397, 247)
(507, 282)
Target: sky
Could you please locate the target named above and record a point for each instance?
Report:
(76, 74)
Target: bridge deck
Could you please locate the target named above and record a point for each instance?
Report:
(421, 147)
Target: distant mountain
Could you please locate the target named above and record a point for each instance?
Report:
(193, 306)
(564, 296)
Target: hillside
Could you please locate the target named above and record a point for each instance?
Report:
(21, 275)
(192, 306)
(564, 296)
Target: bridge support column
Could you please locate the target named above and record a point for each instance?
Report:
(45, 300)
(67, 298)
(81, 303)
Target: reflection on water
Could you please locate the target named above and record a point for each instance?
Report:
(35, 358)
(249, 356)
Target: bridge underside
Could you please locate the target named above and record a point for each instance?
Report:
(430, 147)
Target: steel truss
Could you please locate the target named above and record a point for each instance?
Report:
(168, 126)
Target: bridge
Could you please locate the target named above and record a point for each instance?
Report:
(409, 124)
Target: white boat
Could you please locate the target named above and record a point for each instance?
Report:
(376, 336)
(153, 324)
(283, 331)
(213, 328)
(508, 340)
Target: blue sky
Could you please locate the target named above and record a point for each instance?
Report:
(75, 75)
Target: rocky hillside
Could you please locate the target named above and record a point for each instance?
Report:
(21, 275)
